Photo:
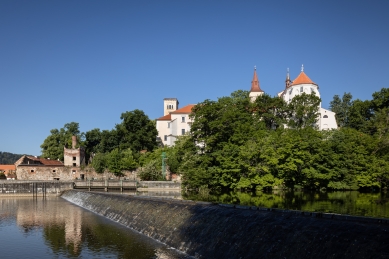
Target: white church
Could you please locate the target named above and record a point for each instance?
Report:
(302, 84)
(176, 122)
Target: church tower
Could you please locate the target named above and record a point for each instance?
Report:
(255, 87)
(169, 105)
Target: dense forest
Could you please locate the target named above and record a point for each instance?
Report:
(8, 158)
(235, 143)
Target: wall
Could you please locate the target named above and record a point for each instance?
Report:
(207, 230)
(31, 188)
(63, 173)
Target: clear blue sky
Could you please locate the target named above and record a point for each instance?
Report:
(89, 61)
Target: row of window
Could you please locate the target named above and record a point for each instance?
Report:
(170, 106)
(301, 90)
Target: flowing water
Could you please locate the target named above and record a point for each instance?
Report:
(54, 228)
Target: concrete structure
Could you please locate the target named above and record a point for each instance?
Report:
(175, 123)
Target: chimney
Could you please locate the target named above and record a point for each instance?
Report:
(74, 142)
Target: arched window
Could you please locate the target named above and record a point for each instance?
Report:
(325, 116)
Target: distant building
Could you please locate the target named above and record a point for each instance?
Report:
(174, 123)
(36, 168)
(302, 84)
(9, 171)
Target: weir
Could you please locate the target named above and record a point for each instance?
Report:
(206, 230)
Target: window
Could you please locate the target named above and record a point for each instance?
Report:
(53, 171)
(74, 158)
(301, 89)
(74, 171)
(182, 119)
(183, 132)
(32, 171)
(165, 138)
(312, 90)
(325, 116)
(74, 164)
(168, 125)
(291, 90)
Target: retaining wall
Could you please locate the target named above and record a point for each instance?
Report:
(34, 188)
(207, 230)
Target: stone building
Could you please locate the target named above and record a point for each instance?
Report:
(35, 168)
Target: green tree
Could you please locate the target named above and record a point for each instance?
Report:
(342, 108)
(272, 111)
(52, 146)
(136, 131)
(303, 111)
(99, 163)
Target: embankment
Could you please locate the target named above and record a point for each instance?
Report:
(208, 230)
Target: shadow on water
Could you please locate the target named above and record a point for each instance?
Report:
(369, 204)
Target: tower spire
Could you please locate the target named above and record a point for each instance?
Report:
(288, 82)
(255, 83)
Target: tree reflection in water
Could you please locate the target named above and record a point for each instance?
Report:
(70, 232)
(342, 202)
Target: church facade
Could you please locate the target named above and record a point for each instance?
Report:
(302, 84)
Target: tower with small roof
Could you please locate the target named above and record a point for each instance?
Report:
(255, 90)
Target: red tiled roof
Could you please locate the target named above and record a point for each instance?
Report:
(50, 162)
(186, 109)
(302, 79)
(255, 87)
(44, 161)
(165, 118)
(7, 167)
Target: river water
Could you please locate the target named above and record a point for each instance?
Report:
(368, 204)
(54, 228)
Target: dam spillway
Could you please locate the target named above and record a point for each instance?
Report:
(206, 230)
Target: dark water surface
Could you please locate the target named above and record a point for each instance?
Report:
(340, 202)
(55, 228)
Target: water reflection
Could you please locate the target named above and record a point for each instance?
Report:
(30, 226)
(342, 202)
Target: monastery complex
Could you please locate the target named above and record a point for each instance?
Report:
(176, 122)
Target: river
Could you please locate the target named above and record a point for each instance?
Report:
(54, 228)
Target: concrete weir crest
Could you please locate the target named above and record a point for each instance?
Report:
(206, 230)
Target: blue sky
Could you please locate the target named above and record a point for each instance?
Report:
(89, 61)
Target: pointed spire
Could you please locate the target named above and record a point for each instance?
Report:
(288, 82)
(255, 83)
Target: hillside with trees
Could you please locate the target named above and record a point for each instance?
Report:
(8, 158)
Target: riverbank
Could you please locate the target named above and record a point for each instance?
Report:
(207, 230)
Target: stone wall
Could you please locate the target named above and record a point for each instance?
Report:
(63, 173)
(206, 230)
(31, 188)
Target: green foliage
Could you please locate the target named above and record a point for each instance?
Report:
(151, 171)
(52, 146)
(342, 108)
(99, 162)
(303, 111)
(136, 131)
(8, 158)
